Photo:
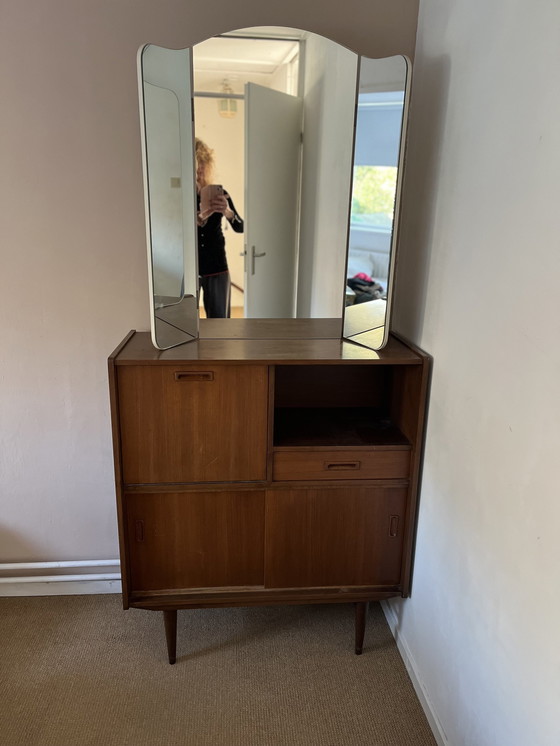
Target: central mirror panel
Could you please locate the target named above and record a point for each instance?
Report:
(277, 108)
(249, 212)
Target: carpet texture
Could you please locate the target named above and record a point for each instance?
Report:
(80, 671)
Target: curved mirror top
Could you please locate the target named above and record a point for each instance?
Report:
(248, 210)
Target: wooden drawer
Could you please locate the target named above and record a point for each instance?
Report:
(336, 464)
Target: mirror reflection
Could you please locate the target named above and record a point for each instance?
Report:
(277, 109)
(166, 125)
(378, 150)
(262, 211)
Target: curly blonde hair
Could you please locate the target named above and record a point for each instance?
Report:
(205, 158)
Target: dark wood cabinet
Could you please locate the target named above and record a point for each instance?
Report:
(266, 468)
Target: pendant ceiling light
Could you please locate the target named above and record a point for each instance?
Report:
(227, 107)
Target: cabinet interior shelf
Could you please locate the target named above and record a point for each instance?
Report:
(335, 427)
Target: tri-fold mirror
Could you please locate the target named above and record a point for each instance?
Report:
(306, 140)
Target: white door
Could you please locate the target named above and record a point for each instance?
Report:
(273, 125)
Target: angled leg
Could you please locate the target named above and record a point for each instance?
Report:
(361, 616)
(170, 622)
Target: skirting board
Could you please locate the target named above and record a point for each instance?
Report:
(409, 662)
(64, 578)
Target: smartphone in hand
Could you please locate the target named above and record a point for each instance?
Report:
(209, 193)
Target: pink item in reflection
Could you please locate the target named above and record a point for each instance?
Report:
(363, 276)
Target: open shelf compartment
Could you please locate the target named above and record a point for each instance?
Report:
(320, 406)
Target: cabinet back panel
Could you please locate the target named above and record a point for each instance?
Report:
(193, 423)
(334, 537)
(195, 539)
(332, 386)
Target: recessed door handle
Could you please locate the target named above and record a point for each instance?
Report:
(194, 375)
(341, 465)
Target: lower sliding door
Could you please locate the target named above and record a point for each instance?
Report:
(334, 536)
(200, 539)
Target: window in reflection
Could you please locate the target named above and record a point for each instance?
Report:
(374, 188)
(373, 197)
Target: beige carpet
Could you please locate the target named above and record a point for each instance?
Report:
(77, 670)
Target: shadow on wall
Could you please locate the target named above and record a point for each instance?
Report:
(430, 91)
(14, 547)
(26, 552)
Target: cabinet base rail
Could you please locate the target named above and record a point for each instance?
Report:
(208, 599)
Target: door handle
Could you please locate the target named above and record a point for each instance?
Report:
(254, 256)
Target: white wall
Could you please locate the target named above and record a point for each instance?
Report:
(478, 281)
(72, 236)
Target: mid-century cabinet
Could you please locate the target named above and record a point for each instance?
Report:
(279, 466)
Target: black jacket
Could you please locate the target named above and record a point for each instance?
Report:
(211, 242)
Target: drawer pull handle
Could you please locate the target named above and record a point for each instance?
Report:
(139, 530)
(194, 375)
(394, 526)
(341, 465)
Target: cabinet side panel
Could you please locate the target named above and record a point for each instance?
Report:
(117, 460)
(409, 407)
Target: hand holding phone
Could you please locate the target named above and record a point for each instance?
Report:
(208, 195)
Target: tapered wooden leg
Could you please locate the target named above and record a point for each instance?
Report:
(170, 622)
(361, 616)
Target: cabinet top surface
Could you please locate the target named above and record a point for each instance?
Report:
(264, 340)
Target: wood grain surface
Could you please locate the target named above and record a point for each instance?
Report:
(192, 428)
(195, 539)
(334, 537)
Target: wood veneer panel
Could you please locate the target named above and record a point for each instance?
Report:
(270, 328)
(336, 464)
(210, 598)
(409, 408)
(293, 349)
(334, 537)
(193, 423)
(115, 419)
(195, 539)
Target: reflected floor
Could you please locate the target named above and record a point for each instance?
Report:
(236, 312)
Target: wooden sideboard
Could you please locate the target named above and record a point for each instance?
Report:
(279, 465)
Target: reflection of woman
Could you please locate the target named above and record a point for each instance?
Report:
(212, 261)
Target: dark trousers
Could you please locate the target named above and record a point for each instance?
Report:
(216, 290)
